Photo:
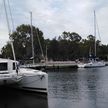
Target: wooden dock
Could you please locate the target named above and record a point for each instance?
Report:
(52, 65)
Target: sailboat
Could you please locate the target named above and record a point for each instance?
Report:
(93, 62)
(12, 75)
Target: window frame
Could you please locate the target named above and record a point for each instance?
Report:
(3, 66)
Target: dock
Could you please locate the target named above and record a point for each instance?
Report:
(52, 65)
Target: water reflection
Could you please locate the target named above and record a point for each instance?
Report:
(82, 88)
(93, 87)
(10, 98)
(64, 85)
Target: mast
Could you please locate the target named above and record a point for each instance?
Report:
(32, 38)
(46, 59)
(9, 30)
(95, 33)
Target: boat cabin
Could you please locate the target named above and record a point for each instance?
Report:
(7, 66)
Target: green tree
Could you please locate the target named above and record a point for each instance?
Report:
(7, 51)
(53, 49)
(22, 42)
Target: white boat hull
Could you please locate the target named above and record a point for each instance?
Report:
(33, 80)
(26, 79)
(91, 64)
(9, 79)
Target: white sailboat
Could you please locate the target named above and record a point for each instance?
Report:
(92, 61)
(27, 79)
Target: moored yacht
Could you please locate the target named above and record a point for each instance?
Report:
(22, 78)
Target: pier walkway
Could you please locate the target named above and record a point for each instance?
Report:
(52, 64)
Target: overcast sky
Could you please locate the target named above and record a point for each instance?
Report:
(55, 16)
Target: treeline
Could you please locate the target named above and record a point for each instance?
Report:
(67, 46)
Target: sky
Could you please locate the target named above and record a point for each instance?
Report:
(53, 17)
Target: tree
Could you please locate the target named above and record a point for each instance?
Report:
(53, 49)
(91, 37)
(75, 37)
(7, 51)
(72, 36)
(22, 42)
(68, 46)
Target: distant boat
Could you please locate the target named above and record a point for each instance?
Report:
(93, 62)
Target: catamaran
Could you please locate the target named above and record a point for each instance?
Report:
(22, 78)
(11, 75)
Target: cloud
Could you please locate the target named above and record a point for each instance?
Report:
(59, 15)
(55, 16)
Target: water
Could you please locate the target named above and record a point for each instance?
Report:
(11, 98)
(78, 88)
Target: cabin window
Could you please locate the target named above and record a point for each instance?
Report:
(13, 66)
(3, 66)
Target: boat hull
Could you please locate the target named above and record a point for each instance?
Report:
(34, 81)
(9, 79)
(91, 65)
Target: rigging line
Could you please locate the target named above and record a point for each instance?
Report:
(1, 6)
(40, 44)
(13, 51)
(9, 30)
(98, 31)
(11, 15)
(95, 31)
(32, 38)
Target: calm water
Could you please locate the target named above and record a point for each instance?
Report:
(10, 98)
(79, 88)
